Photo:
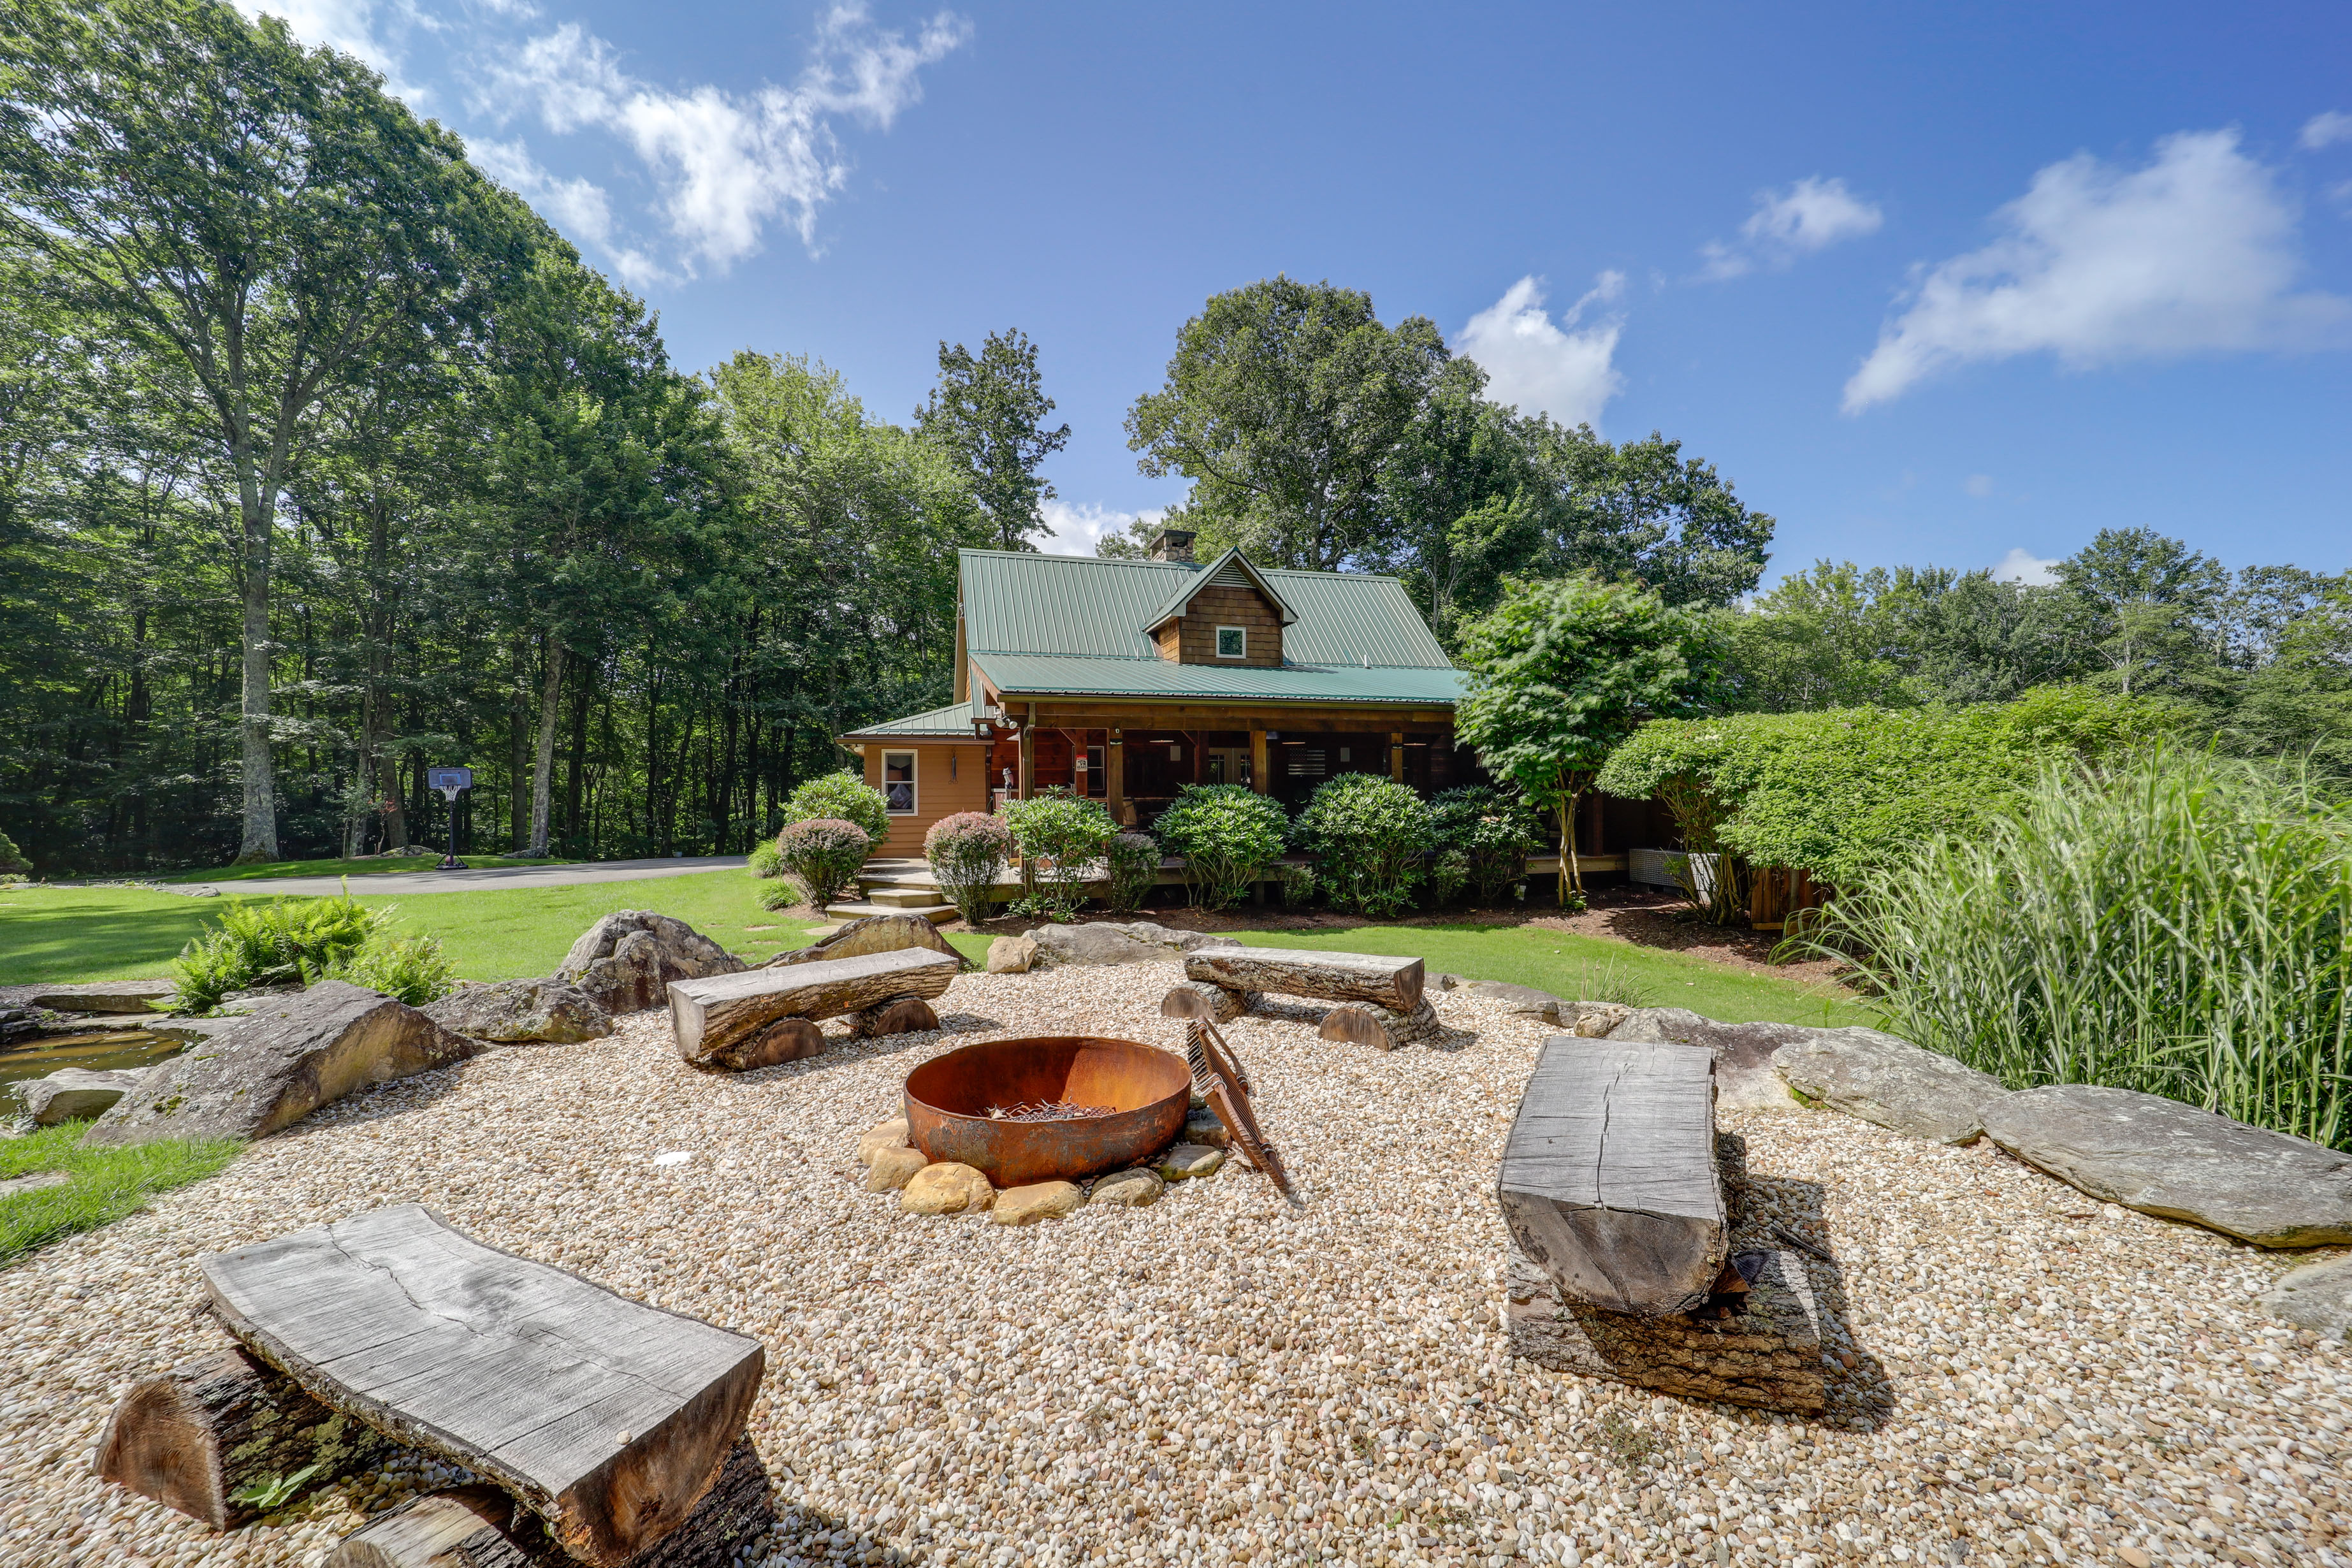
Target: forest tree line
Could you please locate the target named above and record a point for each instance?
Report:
(323, 460)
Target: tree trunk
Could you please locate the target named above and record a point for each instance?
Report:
(518, 744)
(259, 774)
(1571, 873)
(543, 771)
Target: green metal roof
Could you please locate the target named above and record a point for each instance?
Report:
(1020, 602)
(953, 719)
(1019, 674)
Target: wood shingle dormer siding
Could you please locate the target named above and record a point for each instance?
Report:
(1220, 605)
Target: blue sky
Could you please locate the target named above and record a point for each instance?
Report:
(1948, 284)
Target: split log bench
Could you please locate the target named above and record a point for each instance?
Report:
(766, 1015)
(1621, 1262)
(608, 1420)
(1379, 998)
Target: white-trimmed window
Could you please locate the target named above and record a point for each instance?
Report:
(898, 783)
(1232, 642)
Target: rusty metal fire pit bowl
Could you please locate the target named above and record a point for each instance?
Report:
(948, 1099)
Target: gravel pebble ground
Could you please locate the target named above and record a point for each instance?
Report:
(1218, 1378)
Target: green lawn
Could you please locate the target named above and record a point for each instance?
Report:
(122, 933)
(1592, 969)
(107, 1183)
(372, 867)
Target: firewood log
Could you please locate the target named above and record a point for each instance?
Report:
(898, 1015)
(205, 1432)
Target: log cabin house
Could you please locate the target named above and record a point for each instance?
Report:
(1126, 681)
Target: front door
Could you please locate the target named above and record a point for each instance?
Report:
(1227, 764)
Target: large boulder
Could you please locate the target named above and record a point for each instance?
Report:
(2176, 1162)
(1891, 1082)
(1743, 1052)
(874, 933)
(72, 1094)
(292, 1056)
(517, 1012)
(626, 961)
(1114, 941)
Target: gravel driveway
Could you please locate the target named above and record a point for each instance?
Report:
(1221, 1379)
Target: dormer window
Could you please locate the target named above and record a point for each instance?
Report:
(1232, 642)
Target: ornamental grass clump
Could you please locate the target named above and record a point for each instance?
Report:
(1371, 840)
(1061, 837)
(1493, 832)
(823, 856)
(2179, 925)
(967, 853)
(1228, 834)
(842, 796)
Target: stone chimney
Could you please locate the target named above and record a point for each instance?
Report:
(1172, 544)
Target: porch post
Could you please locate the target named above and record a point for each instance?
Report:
(1259, 781)
(1029, 751)
(1396, 756)
(1115, 759)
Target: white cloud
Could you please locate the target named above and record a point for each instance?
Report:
(2195, 253)
(1978, 485)
(580, 208)
(1077, 529)
(1536, 364)
(1811, 215)
(2022, 565)
(727, 165)
(2326, 129)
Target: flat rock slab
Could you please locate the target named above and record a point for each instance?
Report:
(2176, 1162)
(523, 1012)
(73, 1094)
(194, 1031)
(293, 1054)
(1744, 1079)
(1889, 1082)
(105, 996)
(607, 1418)
(1769, 1358)
(1115, 942)
(2317, 1297)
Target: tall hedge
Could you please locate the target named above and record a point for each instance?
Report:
(1840, 792)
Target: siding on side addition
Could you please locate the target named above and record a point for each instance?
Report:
(948, 779)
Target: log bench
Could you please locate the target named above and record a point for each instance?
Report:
(761, 1016)
(1379, 997)
(607, 1419)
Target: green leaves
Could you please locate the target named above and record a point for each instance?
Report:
(1228, 834)
(843, 795)
(989, 410)
(1370, 837)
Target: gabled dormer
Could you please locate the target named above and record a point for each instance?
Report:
(1223, 614)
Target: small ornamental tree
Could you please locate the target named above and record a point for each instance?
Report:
(1492, 830)
(967, 854)
(1060, 836)
(12, 859)
(823, 855)
(1562, 671)
(843, 795)
(1370, 837)
(1228, 834)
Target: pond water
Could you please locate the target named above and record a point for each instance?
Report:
(98, 1050)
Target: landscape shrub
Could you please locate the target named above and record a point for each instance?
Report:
(287, 942)
(1228, 834)
(1060, 836)
(823, 855)
(782, 893)
(1300, 886)
(1493, 830)
(1134, 862)
(767, 861)
(2180, 925)
(1370, 837)
(12, 859)
(408, 969)
(967, 853)
(1842, 792)
(1449, 870)
(842, 796)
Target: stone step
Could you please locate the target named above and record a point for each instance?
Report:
(938, 914)
(901, 897)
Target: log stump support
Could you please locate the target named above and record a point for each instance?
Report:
(211, 1429)
(898, 1015)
